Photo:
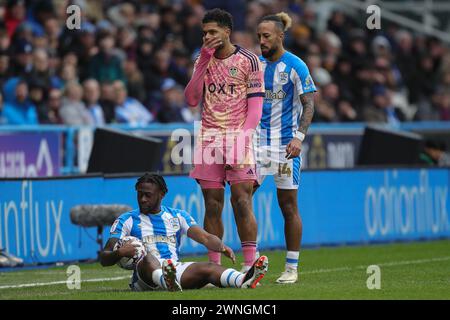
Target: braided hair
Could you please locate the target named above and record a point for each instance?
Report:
(155, 179)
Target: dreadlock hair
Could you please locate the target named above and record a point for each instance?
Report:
(221, 17)
(282, 20)
(155, 179)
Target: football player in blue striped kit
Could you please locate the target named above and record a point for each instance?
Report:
(160, 228)
(287, 113)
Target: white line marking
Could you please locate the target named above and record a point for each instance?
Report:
(40, 284)
(386, 264)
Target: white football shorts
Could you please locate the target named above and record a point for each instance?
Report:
(286, 172)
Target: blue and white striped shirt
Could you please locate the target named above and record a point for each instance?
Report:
(285, 80)
(161, 233)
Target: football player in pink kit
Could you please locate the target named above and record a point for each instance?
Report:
(229, 82)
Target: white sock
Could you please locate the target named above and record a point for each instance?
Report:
(292, 259)
(158, 278)
(231, 278)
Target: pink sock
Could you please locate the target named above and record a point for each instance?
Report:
(249, 252)
(214, 257)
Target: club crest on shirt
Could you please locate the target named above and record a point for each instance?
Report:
(284, 77)
(233, 71)
(175, 223)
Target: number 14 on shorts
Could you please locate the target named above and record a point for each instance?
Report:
(283, 169)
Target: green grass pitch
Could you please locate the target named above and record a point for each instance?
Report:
(413, 270)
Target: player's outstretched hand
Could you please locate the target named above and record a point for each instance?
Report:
(229, 253)
(293, 149)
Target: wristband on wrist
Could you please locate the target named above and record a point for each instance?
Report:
(299, 135)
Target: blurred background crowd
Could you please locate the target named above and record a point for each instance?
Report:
(130, 61)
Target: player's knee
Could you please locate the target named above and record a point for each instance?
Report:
(241, 202)
(213, 207)
(150, 262)
(289, 209)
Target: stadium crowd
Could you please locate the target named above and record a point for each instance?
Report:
(130, 61)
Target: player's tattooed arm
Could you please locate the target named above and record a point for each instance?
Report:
(307, 100)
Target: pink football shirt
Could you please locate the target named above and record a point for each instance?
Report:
(228, 84)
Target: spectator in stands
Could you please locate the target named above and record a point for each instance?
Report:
(41, 70)
(325, 112)
(24, 32)
(405, 58)
(40, 12)
(143, 43)
(161, 67)
(91, 97)
(18, 108)
(85, 48)
(192, 32)
(444, 85)
(5, 41)
(52, 30)
(38, 89)
(383, 109)
(432, 153)
(68, 74)
(54, 104)
(23, 59)
(135, 84)
(107, 101)
(14, 15)
(5, 71)
(330, 93)
(346, 112)
(129, 110)
(423, 80)
(105, 66)
(428, 109)
(73, 110)
(444, 106)
(174, 108)
(123, 14)
(145, 62)
(127, 43)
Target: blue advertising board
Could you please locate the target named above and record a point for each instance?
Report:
(337, 207)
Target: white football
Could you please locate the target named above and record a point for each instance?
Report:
(130, 263)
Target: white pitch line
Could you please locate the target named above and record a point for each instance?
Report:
(40, 284)
(386, 264)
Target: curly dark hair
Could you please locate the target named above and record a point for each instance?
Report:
(221, 17)
(155, 179)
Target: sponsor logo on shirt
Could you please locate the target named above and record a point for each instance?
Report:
(114, 226)
(254, 85)
(308, 83)
(275, 95)
(221, 88)
(159, 238)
